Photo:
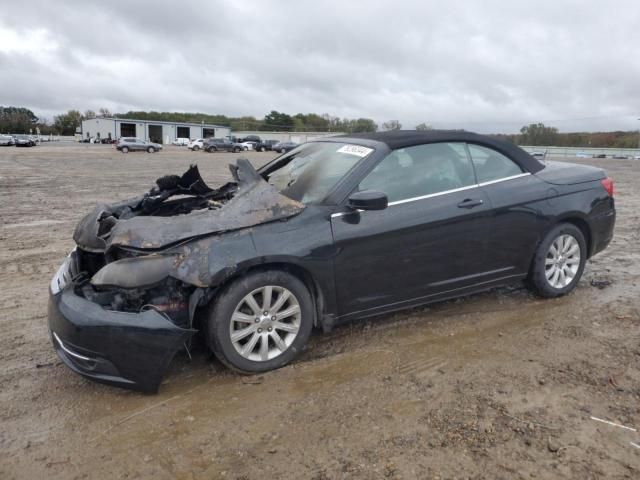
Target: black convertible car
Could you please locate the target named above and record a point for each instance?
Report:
(339, 228)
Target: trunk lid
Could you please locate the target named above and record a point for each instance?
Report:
(564, 173)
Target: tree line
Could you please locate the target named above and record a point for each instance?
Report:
(538, 134)
(23, 120)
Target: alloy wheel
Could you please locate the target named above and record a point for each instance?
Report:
(265, 323)
(562, 261)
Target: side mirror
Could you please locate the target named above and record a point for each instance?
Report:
(368, 200)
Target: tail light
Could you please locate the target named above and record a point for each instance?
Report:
(607, 184)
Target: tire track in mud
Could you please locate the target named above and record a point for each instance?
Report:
(423, 368)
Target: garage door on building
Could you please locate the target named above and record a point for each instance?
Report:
(127, 129)
(155, 133)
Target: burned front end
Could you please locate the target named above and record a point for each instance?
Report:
(123, 302)
(119, 336)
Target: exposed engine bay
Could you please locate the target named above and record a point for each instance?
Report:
(128, 256)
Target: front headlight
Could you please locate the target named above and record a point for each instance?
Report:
(134, 272)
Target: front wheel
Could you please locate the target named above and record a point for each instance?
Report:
(262, 149)
(260, 322)
(559, 261)
(151, 149)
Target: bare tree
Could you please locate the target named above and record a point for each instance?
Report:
(104, 112)
(392, 125)
(424, 126)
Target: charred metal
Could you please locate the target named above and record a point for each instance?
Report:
(147, 260)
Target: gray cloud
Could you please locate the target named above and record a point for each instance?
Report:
(486, 66)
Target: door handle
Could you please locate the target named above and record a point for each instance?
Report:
(470, 203)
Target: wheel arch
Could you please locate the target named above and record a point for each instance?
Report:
(583, 225)
(318, 296)
(575, 219)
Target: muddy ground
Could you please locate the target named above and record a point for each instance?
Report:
(497, 385)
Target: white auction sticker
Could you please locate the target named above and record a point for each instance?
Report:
(356, 150)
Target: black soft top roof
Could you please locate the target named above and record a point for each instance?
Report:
(395, 139)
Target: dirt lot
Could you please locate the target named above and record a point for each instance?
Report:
(498, 385)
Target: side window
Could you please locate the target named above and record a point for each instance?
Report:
(491, 165)
(421, 170)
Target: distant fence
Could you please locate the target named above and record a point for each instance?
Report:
(574, 151)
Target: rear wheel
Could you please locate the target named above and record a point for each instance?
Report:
(262, 149)
(196, 148)
(559, 261)
(236, 149)
(125, 150)
(261, 321)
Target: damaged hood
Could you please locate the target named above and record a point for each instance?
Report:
(149, 221)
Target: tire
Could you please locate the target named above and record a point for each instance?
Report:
(196, 148)
(568, 241)
(151, 149)
(262, 149)
(125, 150)
(246, 149)
(232, 302)
(236, 150)
(212, 149)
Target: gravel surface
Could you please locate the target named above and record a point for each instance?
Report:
(497, 385)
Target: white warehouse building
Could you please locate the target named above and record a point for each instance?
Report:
(150, 130)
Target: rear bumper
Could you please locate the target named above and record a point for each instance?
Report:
(129, 350)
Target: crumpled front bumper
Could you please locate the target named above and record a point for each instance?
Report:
(129, 350)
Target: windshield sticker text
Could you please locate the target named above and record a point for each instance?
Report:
(356, 150)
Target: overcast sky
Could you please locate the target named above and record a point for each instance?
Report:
(489, 66)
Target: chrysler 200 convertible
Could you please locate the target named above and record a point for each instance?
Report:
(337, 229)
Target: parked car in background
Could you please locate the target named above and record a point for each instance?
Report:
(538, 154)
(249, 138)
(637, 157)
(108, 141)
(406, 218)
(599, 155)
(221, 145)
(248, 145)
(283, 147)
(265, 145)
(620, 157)
(130, 144)
(7, 141)
(583, 155)
(180, 142)
(24, 141)
(195, 145)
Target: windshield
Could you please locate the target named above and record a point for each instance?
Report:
(309, 172)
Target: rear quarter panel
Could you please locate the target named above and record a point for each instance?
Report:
(587, 202)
